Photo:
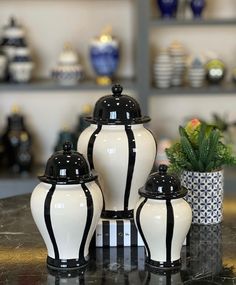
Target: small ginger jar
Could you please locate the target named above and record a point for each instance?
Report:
(163, 219)
(66, 206)
(120, 149)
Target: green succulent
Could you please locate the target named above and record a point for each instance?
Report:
(200, 150)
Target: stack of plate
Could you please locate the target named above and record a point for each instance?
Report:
(163, 70)
(196, 75)
(178, 56)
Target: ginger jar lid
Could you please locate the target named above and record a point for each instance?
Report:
(117, 109)
(163, 186)
(67, 167)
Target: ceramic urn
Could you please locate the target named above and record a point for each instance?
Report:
(120, 149)
(66, 206)
(163, 219)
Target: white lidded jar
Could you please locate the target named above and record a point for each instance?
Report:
(120, 149)
(66, 207)
(163, 219)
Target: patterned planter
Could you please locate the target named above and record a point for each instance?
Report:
(205, 195)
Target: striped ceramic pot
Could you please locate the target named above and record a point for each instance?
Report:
(163, 219)
(66, 207)
(120, 150)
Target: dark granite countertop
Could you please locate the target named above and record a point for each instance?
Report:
(210, 257)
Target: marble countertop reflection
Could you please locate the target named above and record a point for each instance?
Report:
(209, 258)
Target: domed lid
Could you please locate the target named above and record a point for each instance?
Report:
(67, 167)
(117, 109)
(161, 185)
(68, 55)
(13, 30)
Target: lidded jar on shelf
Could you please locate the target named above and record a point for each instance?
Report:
(120, 149)
(163, 219)
(66, 206)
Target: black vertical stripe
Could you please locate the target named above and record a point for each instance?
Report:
(106, 233)
(89, 219)
(91, 144)
(134, 234)
(139, 226)
(48, 222)
(131, 162)
(169, 229)
(120, 233)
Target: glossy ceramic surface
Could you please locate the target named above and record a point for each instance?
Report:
(197, 7)
(167, 7)
(104, 57)
(208, 259)
(66, 216)
(163, 225)
(116, 152)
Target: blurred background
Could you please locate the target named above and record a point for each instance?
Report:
(179, 62)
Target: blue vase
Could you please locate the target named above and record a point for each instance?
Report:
(168, 8)
(104, 58)
(197, 7)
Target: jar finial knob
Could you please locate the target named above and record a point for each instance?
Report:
(117, 90)
(162, 169)
(67, 146)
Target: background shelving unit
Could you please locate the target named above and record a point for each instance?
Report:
(139, 83)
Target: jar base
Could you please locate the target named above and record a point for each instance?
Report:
(168, 265)
(117, 214)
(66, 264)
(103, 80)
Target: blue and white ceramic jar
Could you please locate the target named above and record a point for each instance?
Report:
(104, 56)
(197, 7)
(168, 8)
(120, 149)
(21, 66)
(68, 71)
(66, 206)
(163, 219)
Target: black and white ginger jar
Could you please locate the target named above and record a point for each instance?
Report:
(163, 219)
(66, 206)
(120, 149)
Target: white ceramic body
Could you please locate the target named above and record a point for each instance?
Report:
(123, 160)
(66, 218)
(21, 72)
(163, 225)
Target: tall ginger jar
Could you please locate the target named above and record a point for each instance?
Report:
(66, 206)
(120, 149)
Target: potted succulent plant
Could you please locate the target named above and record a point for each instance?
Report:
(199, 157)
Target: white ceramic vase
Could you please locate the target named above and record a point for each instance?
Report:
(120, 149)
(163, 219)
(66, 207)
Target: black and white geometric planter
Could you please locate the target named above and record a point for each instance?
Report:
(66, 207)
(205, 195)
(163, 219)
